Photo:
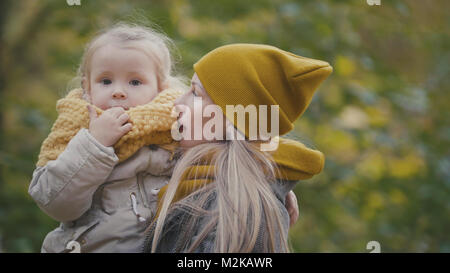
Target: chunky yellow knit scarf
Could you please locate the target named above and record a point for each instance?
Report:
(293, 160)
(151, 125)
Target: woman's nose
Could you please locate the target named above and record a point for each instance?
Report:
(177, 111)
(119, 94)
(178, 107)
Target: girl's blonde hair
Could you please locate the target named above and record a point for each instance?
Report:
(154, 44)
(247, 211)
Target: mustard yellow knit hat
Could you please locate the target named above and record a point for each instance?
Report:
(245, 74)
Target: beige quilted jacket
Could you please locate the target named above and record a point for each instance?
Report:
(102, 206)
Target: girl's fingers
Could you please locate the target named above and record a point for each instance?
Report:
(126, 128)
(116, 111)
(123, 118)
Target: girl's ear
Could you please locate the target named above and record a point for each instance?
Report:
(85, 87)
(86, 96)
(84, 83)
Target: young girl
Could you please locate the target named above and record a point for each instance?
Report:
(228, 195)
(97, 172)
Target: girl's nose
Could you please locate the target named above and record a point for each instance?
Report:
(119, 94)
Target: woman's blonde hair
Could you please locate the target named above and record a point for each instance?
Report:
(153, 43)
(247, 212)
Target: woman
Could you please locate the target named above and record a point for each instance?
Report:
(228, 195)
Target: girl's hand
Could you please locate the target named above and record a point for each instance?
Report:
(292, 207)
(110, 126)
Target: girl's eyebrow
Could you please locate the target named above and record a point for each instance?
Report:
(135, 73)
(103, 74)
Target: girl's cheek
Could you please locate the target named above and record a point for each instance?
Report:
(99, 100)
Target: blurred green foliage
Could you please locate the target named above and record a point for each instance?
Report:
(381, 119)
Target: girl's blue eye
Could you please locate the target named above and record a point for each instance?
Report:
(135, 82)
(106, 81)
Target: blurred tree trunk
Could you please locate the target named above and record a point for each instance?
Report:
(28, 18)
(4, 8)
